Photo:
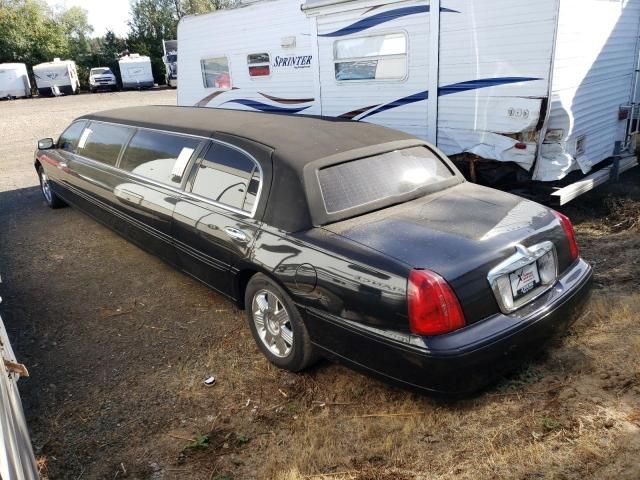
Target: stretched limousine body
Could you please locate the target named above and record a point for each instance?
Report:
(341, 239)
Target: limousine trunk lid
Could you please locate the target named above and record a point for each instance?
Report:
(461, 233)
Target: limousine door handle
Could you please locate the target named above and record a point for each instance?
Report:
(62, 165)
(236, 234)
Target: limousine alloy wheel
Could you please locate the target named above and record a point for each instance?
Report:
(45, 186)
(276, 325)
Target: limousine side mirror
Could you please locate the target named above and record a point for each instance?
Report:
(45, 143)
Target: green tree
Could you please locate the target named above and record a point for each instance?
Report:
(155, 20)
(151, 22)
(76, 26)
(30, 33)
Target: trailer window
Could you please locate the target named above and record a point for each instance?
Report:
(259, 64)
(367, 180)
(215, 73)
(379, 57)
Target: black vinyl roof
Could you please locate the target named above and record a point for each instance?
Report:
(296, 139)
(293, 142)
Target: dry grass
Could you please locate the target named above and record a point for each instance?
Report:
(580, 428)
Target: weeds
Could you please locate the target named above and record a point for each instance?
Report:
(201, 441)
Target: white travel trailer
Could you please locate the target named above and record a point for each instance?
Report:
(59, 76)
(135, 71)
(14, 80)
(545, 86)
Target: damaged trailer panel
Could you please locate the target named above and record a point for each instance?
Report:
(539, 85)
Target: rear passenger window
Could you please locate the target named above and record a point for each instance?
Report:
(69, 139)
(102, 142)
(228, 176)
(158, 156)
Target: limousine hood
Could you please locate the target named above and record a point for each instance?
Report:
(460, 233)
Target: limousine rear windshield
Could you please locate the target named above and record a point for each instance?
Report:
(367, 180)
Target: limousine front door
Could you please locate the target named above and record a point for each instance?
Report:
(126, 197)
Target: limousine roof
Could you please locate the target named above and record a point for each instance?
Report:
(295, 141)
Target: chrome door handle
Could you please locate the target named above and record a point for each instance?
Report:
(236, 234)
(62, 165)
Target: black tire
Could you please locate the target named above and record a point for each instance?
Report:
(302, 354)
(50, 197)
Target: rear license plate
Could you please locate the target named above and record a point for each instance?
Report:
(524, 280)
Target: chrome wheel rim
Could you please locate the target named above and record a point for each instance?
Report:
(272, 322)
(46, 188)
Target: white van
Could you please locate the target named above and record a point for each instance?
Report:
(545, 87)
(135, 71)
(14, 80)
(57, 77)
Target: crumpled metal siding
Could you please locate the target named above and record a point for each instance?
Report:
(17, 461)
(593, 71)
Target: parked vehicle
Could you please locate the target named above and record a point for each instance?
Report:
(170, 59)
(339, 238)
(543, 87)
(135, 71)
(57, 77)
(102, 78)
(14, 80)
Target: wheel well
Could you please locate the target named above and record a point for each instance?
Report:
(242, 280)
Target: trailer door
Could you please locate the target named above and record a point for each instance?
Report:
(374, 63)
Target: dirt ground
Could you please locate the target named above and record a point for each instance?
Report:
(118, 345)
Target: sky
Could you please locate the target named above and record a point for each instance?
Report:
(103, 14)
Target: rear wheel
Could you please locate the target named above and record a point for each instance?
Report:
(277, 326)
(45, 186)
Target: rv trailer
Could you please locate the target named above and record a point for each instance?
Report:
(135, 71)
(544, 88)
(57, 77)
(170, 59)
(14, 80)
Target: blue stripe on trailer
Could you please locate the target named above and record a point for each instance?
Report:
(264, 107)
(448, 90)
(380, 18)
(482, 83)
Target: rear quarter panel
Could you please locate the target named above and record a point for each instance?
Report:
(340, 278)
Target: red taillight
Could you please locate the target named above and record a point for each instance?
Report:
(433, 307)
(568, 231)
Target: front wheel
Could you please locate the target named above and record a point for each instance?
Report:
(277, 326)
(45, 187)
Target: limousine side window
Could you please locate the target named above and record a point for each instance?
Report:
(228, 176)
(69, 139)
(158, 156)
(103, 142)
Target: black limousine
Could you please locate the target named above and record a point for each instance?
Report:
(339, 239)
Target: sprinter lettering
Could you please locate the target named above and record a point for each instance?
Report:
(300, 61)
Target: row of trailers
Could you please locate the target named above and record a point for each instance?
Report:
(60, 77)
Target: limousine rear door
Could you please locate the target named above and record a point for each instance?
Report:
(214, 222)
